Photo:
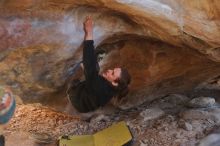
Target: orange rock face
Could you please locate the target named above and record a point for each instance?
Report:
(168, 46)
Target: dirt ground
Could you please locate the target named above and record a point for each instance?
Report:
(164, 122)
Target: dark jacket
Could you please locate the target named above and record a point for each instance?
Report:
(95, 91)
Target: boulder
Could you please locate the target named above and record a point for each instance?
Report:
(202, 102)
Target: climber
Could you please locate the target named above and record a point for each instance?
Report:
(7, 108)
(98, 88)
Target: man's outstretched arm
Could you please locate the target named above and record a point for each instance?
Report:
(89, 57)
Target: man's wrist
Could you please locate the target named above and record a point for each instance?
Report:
(88, 36)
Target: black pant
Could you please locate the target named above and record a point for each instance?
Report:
(72, 95)
(2, 140)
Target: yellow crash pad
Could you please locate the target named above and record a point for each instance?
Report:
(115, 135)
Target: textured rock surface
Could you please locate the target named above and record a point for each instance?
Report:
(211, 140)
(168, 46)
(202, 102)
(151, 114)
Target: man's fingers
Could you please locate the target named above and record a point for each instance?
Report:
(88, 18)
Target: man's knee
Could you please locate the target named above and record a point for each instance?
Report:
(70, 109)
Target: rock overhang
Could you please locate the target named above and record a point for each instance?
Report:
(162, 43)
